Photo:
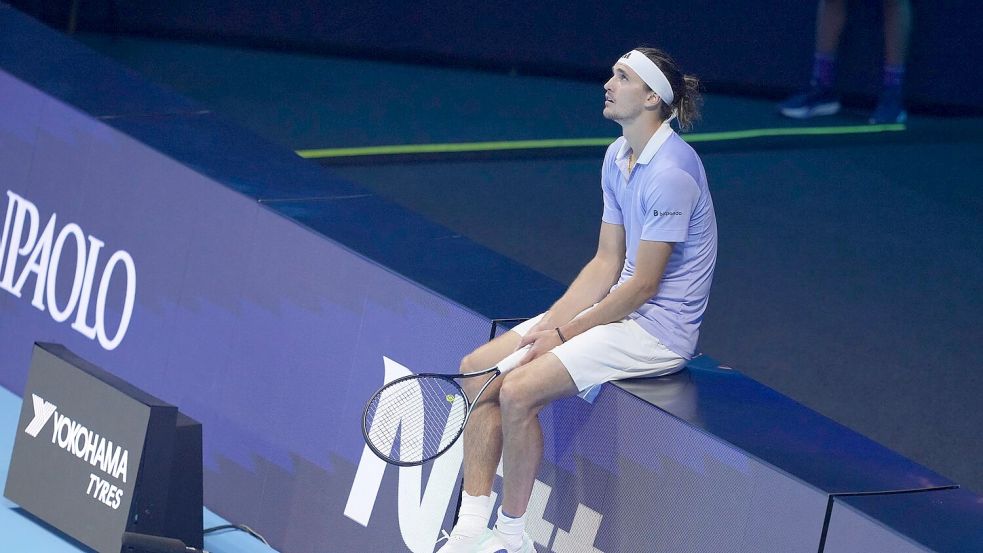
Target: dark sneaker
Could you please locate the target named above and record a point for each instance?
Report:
(890, 109)
(813, 102)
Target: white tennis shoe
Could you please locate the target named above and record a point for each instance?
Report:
(493, 542)
(488, 541)
(456, 543)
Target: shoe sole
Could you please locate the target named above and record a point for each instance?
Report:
(527, 547)
(476, 545)
(484, 540)
(902, 117)
(818, 110)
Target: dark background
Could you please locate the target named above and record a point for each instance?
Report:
(762, 47)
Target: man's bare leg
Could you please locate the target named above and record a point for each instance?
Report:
(524, 393)
(482, 446)
(483, 434)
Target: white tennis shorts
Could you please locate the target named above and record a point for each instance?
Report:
(612, 351)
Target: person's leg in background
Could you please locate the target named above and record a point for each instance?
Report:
(820, 98)
(897, 31)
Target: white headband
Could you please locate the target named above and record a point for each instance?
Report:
(650, 73)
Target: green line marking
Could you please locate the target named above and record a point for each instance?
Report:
(504, 145)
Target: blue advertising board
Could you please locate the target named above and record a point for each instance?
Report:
(273, 337)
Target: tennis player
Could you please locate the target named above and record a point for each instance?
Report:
(634, 310)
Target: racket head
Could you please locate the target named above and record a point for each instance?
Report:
(415, 419)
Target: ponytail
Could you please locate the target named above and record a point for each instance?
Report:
(687, 101)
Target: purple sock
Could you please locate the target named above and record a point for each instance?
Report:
(823, 70)
(893, 76)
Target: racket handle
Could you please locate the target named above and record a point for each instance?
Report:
(510, 362)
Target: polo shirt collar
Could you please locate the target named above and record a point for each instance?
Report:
(653, 146)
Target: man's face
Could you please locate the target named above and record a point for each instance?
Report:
(625, 94)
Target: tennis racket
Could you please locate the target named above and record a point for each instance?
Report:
(416, 418)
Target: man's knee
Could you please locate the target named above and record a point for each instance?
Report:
(473, 363)
(517, 400)
(469, 363)
(490, 353)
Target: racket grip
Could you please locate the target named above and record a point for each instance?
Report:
(510, 362)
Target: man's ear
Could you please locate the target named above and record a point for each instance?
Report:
(653, 100)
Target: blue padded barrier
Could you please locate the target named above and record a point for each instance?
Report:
(943, 520)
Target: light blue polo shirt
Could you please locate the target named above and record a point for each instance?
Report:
(665, 199)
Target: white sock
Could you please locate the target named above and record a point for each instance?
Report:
(510, 529)
(472, 519)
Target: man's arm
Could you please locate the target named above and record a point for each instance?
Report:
(677, 193)
(650, 264)
(594, 281)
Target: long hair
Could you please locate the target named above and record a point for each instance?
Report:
(687, 99)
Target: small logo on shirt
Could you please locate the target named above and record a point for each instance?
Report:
(658, 213)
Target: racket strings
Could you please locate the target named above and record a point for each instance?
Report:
(413, 420)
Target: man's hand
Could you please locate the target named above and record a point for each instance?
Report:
(542, 341)
(545, 323)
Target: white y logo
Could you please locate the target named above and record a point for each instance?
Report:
(42, 412)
